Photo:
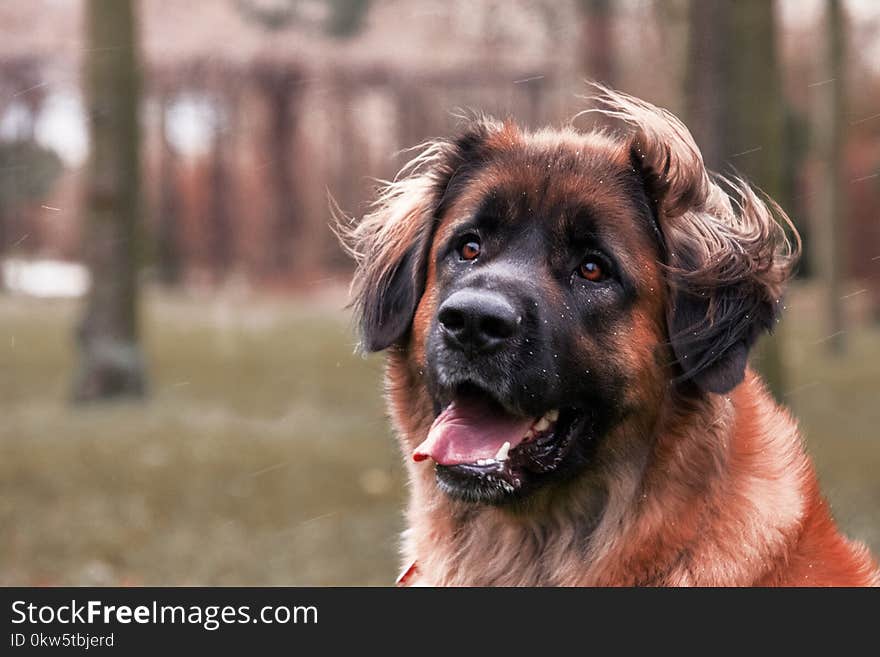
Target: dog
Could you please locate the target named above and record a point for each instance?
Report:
(567, 317)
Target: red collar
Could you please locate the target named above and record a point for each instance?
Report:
(405, 578)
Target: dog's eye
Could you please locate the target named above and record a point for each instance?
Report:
(470, 248)
(591, 269)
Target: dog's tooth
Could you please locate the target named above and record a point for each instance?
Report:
(542, 424)
(502, 452)
(552, 415)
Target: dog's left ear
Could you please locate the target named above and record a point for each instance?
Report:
(728, 261)
(727, 257)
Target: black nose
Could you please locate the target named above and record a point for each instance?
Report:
(477, 320)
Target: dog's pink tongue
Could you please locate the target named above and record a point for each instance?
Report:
(469, 430)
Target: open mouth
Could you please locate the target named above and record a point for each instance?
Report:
(483, 451)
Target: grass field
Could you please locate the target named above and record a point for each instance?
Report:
(263, 456)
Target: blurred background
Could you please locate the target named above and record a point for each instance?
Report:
(180, 399)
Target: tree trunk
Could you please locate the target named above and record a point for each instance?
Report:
(220, 220)
(278, 87)
(735, 108)
(758, 127)
(829, 224)
(597, 40)
(110, 361)
(168, 256)
(707, 78)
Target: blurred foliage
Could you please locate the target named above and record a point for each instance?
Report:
(344, 17)
(27, 172)
(347, 16)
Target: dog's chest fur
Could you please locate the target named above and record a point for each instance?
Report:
(724, 496)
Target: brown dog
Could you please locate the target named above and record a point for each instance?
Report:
(567, 318)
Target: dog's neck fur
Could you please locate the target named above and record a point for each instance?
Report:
(728, 465)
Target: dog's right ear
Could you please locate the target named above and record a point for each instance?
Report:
(391, 243)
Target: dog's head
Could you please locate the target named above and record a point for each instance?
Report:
(536, 290)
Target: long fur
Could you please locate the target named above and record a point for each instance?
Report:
(710, 489)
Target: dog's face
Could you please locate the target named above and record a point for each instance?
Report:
(538, 293)
(546, 309)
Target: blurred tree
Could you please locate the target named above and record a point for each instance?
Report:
(110, 361)
(349, 145)
(757, 123)
(707, 79)
(167, 239)
(220, 219)
(830, 135)
(795, 155)
(597, 40)
(278, 85)
(735, 108)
